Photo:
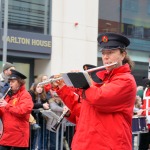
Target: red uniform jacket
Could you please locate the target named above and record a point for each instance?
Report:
(15, 118)
(147, 94)
(105, 115)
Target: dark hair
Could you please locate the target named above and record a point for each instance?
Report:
(33, 89)
(21, 81)
(127, 59)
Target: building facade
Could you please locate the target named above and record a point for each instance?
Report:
(53, 36)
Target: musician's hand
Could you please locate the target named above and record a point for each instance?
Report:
(3, 103)
(1, 99)
(57, 84)
(46, 105)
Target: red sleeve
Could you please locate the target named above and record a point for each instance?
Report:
(72, 118)
(116, 95)
(144, 103)
(71, 99)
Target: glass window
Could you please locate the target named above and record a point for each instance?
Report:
(109, 16)
(129, 17)
(28, 15)
(131, 5)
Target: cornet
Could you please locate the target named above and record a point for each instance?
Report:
(89, 70)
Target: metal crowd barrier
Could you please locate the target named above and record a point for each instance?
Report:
(67, 130)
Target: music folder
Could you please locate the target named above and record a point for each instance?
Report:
(77, 79)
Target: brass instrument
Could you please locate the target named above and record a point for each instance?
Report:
(89, 70)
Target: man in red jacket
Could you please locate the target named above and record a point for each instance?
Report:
(15, 110)
(105, 113)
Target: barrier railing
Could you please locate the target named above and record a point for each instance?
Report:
(48, 140)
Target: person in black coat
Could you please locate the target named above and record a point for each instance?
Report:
(40, 102)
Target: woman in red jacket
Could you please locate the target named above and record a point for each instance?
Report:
(105, 113)
(15, 110)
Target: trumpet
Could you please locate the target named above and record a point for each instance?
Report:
(89, 70)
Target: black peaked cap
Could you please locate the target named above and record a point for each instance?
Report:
(16, 75)
(88, 66)
(111, 40)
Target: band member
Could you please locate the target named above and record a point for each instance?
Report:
(15, 110)
(105, 114)
(144, 143)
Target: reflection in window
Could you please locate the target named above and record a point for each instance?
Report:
(28, 15)
(148, 7)
(125, 16)
(131, 5)
(109, 16)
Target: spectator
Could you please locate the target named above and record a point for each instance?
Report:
(137, 106)
(47, 87)
(40, 102)
(4, 85)
(140, 90)
(56, 106)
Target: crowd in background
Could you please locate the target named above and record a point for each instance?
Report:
(43, 98)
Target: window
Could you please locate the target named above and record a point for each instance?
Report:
(28, 15)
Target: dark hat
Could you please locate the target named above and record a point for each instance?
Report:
(88, 66)
(7, 65)
(112, 41)
(146, 82)
(93, 73)
(16, 75)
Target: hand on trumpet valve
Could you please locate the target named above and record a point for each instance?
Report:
(57, 84)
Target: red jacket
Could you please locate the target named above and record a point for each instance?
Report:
(147, 94)
(15, 118)
(106, 113)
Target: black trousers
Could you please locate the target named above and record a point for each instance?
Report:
(144, 141)
(12, 148)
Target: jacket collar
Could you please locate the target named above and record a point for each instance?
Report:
(122, 69)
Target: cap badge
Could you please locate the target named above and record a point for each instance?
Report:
(104, 38)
